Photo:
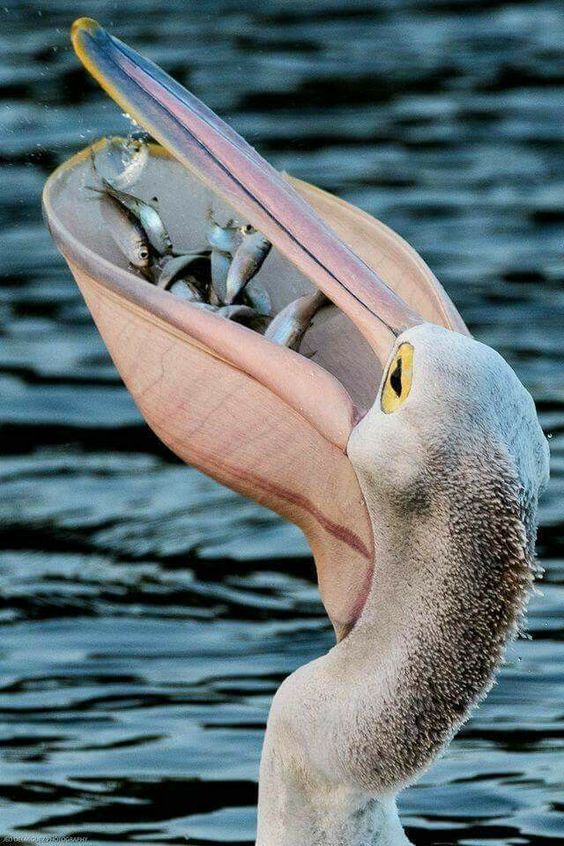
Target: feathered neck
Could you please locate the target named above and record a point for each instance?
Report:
(349, 730)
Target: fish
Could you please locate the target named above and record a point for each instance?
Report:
(291, 323)
(226, 238)
(146, 214)
(258, 298)
(121, 161)
(220, 263)
(247, 261)
(238, 313)
(173, 266)
(186, 289)
(234, 252)
(127, 233)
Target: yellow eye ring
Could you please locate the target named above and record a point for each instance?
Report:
(397, 383)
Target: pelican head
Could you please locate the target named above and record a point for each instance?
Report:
(450, 460)
(408, 452)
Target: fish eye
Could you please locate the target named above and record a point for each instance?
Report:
(248, 229)
(144, 253)
(397, 383)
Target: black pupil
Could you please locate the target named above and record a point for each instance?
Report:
(395, 378)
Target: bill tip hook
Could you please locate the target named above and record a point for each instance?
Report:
(83, 26)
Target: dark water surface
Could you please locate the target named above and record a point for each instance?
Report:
(147, 614)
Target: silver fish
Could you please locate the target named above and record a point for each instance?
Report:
(238, 313)
(127, 233)
(186, 289)
(258, 298)
(121, 161)
(173, 266)
(226, 238)
(146, 214)
(246, 263)
(290, 325)
(220, 263)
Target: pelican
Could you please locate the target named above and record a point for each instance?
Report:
(407, 451)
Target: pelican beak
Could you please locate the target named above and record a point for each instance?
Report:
(234, 170)
(263, 420)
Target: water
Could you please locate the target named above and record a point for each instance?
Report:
(148, 615)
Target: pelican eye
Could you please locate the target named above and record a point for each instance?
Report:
(397, 383)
